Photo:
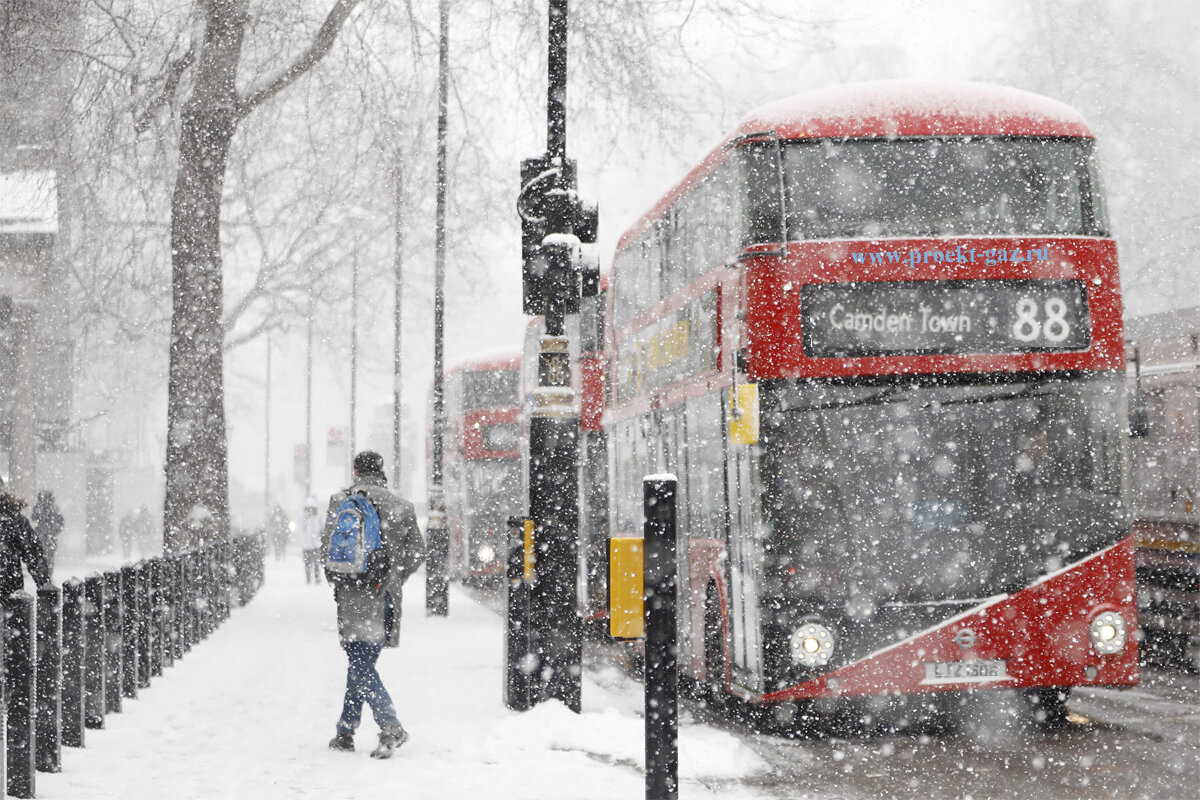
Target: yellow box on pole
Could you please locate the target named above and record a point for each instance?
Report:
(530, 553)
(626, 588)
(743, 413)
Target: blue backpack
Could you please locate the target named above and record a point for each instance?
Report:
(356, 552)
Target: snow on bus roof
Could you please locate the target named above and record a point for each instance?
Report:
(499, 360)
(887, 109)
(915, 108)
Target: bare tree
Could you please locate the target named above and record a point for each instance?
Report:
(196, 468)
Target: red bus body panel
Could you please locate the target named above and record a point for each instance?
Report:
(775, 350)
(475, 420)
(1040, 631)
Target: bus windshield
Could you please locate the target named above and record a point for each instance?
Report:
(490, 389)
(914, 494)
(963, 186)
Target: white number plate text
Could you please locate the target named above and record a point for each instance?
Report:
(964, 671)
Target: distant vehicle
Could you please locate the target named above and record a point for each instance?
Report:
(877, 335)
(1163, 352)
(481, 463)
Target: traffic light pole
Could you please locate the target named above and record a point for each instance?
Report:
(553, 225)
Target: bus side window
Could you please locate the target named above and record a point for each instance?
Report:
(706, 454)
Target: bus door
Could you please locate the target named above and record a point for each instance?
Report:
(672, 438)
(745, 565)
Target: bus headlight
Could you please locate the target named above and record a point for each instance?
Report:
(486, 554)
(1108, 633)
(811, 645)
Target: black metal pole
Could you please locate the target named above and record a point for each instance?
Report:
(113, 643)
(519, 661)
(662, 674)
(556, 73)
(437, 602)
(397, 320)
(95, 653)
(19, 681)
(145, 627)
(158, 615)
(130, 614)
(74, 659)
(554, 424)
(48, 757)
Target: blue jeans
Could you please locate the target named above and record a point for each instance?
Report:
(364, 686)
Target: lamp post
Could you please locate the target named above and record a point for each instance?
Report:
(308, 384)
(398, 269)
(438, 545)
(353, 353)
(267, 444)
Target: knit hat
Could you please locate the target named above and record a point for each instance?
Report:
(368, 462)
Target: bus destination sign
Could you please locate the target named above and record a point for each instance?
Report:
(943, 317)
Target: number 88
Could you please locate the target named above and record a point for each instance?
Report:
(1027, 328)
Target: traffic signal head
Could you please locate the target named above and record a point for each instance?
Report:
(548, 205)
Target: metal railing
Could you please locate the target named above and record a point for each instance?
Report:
(73, 654)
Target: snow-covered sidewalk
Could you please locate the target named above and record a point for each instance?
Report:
(249, 712)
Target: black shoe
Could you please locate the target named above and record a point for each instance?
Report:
(388, 742)
(344, 741)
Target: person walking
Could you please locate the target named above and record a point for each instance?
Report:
(277, 529)
(48, 524)
(18, 544)
(368, 605)
(128, 533)
(310, 541)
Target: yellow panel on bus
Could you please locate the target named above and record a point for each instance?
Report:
(743, 414)
(626, 588)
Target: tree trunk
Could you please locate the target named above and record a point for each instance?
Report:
(197, 498)
(197, 493)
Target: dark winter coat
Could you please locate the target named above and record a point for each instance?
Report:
(370, 613)
(18, 543)
(48, 522)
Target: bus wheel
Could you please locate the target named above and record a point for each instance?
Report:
(714, 656)
(1049, 707)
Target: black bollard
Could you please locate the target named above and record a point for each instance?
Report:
(158, 617)
(662, 674)
(183, 571)
(130, 622)
(179, 593)
(226, 570)
(170, 610)
(113, 643)
(74, 656)
(95, 592)
(48, 752)
(519, 659)
(145, 627)
(19, 681)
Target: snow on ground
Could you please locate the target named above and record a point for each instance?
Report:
(249, 713)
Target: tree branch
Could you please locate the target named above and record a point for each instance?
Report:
(170, 85)
(321, 44)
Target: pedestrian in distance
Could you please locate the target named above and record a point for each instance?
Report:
(143, 525)
(18, 544)
(370, 546)
(278, 531)
(48, 524)
(128, 533)
(310, 540)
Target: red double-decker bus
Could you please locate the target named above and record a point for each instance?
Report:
(482, 468)
(877, 335)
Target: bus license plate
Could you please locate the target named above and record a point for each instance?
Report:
(964, 671)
